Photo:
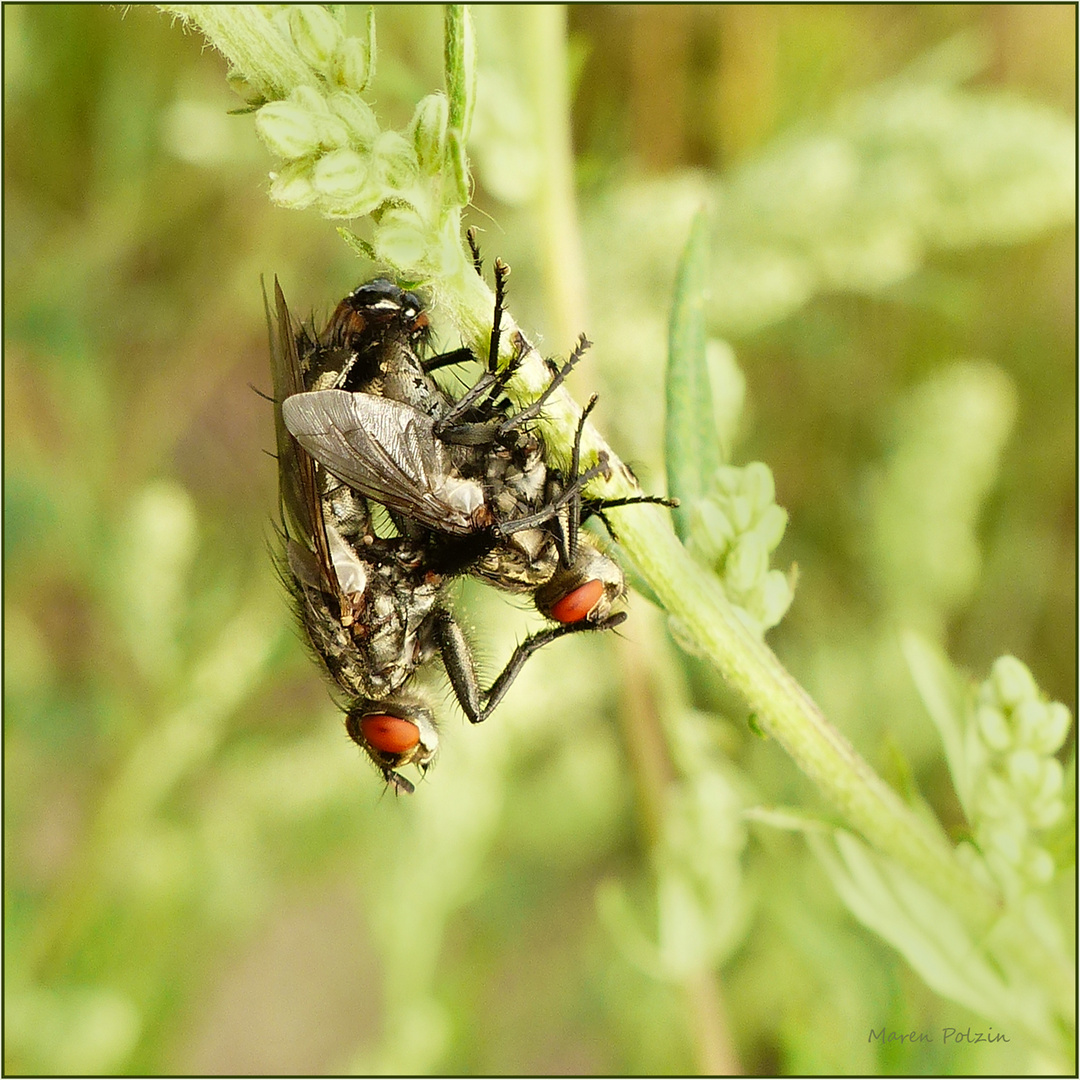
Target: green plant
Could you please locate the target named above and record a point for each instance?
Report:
(189, 838)
(305, 80)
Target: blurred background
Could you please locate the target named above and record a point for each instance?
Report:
(202, 875)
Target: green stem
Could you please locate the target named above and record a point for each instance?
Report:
(547, 78)
(460, 69)
(249, 40)
(786, 712)
(691, 595)
(694, 598)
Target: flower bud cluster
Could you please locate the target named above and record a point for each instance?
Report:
(1017, 788)
(734, 530)
(336, 157)
(333, 58)
(339, 161)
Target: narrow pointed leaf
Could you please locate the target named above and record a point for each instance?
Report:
(692, 442)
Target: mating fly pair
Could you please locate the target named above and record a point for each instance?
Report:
(467, 486)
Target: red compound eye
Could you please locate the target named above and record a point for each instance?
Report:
(576, 605)
(390, 734)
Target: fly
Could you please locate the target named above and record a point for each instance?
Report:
(369, 607)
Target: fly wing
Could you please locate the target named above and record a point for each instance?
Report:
(301, 505)
(387, 451)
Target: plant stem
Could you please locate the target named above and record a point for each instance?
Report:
(248, 39)
(691, 595)
(695, 600)
(547, 79)
(786, 712)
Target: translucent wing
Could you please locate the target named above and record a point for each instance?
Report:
(301, 506)
(388, 452)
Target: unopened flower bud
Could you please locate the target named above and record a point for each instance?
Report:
(746, 565)
(340, 174)
(728, 479)
(1055, 727)
(316, 35)
(351, 64)
(993, 728)
(429, 132)
(1024, 772)
(711, 531)
(776, 597)
(1012, 681)
(291, 186)
(395, 160)
(307, 97)
(758, 486)
(1051, 780)
(770, 526)
(400, 238)
(288, 129)
(332, 132)
(1027, 719)
(741, 512)
(357, 115)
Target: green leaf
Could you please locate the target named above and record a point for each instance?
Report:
(361, 247)
(943, 695)
(692, 442)
(932, 937)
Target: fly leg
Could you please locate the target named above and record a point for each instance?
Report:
(452, 428)
(574, 517)
(556, 506)
(474, 250)
(533, 410)
(480, 397)
(565, 539)
(458, 661)
(447, 359)
(531, 645)
(459, 356)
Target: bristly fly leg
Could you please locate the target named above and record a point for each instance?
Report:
(481, 396)
(533, 410)
(569, 498)
(464, 355)
(458, 661)
(531, 645)
(474, 248)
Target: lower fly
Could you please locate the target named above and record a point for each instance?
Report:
(369, 607)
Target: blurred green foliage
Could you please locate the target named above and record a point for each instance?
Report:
(200, 876)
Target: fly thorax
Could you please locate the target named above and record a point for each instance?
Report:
(405, 380)
(328, 367)
(347, 510)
